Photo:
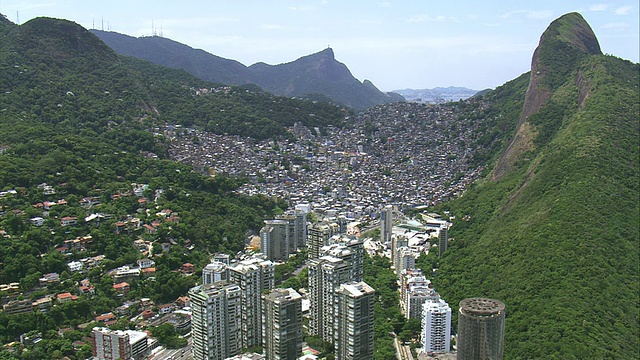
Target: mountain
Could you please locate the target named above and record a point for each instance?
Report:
(169, 53)
(437, 95)
(553, 231)
(319, 73)
(308, 76)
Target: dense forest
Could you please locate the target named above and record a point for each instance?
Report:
(556, 239)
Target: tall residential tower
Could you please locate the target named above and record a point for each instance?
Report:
(481, 329)
(282, 324)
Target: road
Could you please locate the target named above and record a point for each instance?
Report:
(402, 352)
(174, 354)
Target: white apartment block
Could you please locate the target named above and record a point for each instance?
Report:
(436, 326)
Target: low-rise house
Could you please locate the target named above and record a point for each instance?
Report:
(183, 301)
(106, 318)
(165, 309)
(146, 263)
(68, 221)
(87, 290)
(148, 272)
(147, 314)
(75, 266)
(43, 304)
(122, 288)
(50, 278)
(66, 297)
(188, 268)
(36, 221)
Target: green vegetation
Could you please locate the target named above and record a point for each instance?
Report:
(168, 337)
(389, 320)
(81, 122)
(557, 238)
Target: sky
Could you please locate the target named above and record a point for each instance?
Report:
(395, 44)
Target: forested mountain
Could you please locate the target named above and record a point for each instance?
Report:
(320, 73)
(166, 52)
(315, 76)
(553, 232)
(83, 122)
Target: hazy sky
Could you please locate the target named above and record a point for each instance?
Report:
(395, 44)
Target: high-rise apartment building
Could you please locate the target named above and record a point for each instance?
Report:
(443, 239)
(386, 224)
(405, 258)
(319, 234)
(326, 274)
(214, 272)
(397, 241)
(436, 325)
(282, 324)
(353, 325)
(481, 329)
(215, 321)
(416, 295)
(276, 239)
(253, 276)
(351, 250)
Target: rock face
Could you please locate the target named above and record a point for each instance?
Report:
(563, 44)
(317, 76)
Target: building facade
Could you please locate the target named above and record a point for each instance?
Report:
(326, 274)
(110, 344)
(354, 319)
(254, 276)
(319, 234)
(386, 225)
(276, 239)
(215, 321)
(481, 329)
(436, 325)
(214, 272)
(282, 324)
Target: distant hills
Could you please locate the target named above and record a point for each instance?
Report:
(317, 76)
(553, 231)
(436, 95)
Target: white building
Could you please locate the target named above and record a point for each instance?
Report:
(75, 266)
(436, 326)
(116, 344)
(214, 272)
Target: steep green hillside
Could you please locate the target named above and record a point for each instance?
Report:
(57, 72)
(555, 236)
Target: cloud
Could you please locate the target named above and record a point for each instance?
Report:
(624, 10)
(384, 4)
(598, 7)
(302, 8)
(273, 27)
(615, 26)
(424, 18)
(529, 14)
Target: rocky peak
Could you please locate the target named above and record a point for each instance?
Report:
(565, 42)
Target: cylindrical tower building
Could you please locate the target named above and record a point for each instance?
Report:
(481, 329)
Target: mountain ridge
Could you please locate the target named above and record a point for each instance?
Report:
(318, 73)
